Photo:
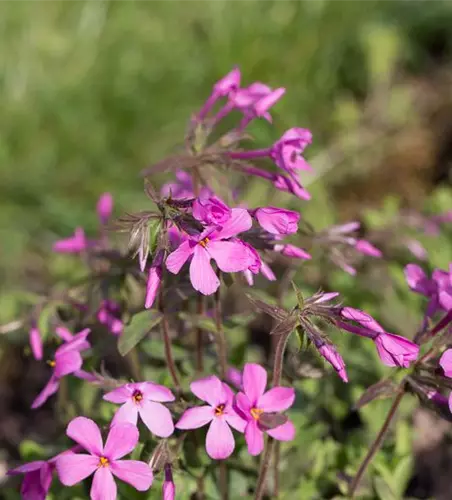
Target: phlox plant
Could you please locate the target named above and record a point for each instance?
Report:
(183, 403)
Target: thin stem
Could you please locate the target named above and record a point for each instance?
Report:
(199, 337)
(164, 327)
(276, 469)
(260, 487)
(377, 442)
(221, 340)
(223, 472)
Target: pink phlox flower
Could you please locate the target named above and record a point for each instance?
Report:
(446, 362)
(254, 402)
(290, 185)
(227, 86)
(418, 281)
(255, 100)
(218, 412)
(35, 342)
(67, 360)
(74, 244)
(210, 210)
(277, 220)
(80, 337)
(230, 256)
(330, 353)
(287, 151)
(443, 280)
(292, 251)
(154, 279)
(168, 488)
(103, 461)
(366, 248)
(104, 207)
(109, 314)
(144, 399)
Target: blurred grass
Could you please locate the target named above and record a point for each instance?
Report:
(91, 92)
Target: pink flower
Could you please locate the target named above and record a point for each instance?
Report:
(292, 251)
(67, 360)
(290, 185)
(228, 83)
(103, 461)
(218, 412)
(418, 281)
(277, 220)
(287, 151)
(144, 399)
(366, 248)
(36, 342)
(211, 210)
(154, 280)
(335, 359)
(254, 402)
(446, 362)
(109, 314)
(443, 279)
(169, 488)
(105, 207)
(74, 244)
(230, 256)
(255, 101)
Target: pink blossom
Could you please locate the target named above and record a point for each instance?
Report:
(443, 280)
(169, 488)
(74, 244)
(277, 220)
(255, 101)
(366, 248)
(36, 342)
(335, 359)
(103, 461)
(105, 207)
(211, 210)
(230, 256)
(154, 279)
(67, 360)
(218, 412)
(109, 314)
(254, 402)
(446, 362)
(290, 185)
(287, 151)
(292, 251)
(228, 85)
(144, 399)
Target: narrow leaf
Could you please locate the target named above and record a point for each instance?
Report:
(141, 324)
(285, 326)
(270, 309)
(380, 390)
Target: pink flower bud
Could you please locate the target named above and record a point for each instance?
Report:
(395, 350)
(335, 359)
(287, 151)
(211, 210)
(154, 280)
(228, 83)
(73, 244)
(105, 207)
(292, 251)
(35, 342)
(362, 318)
(263, 105)
(277, 220)
(446, 362)
(169, 488)
(366, 248)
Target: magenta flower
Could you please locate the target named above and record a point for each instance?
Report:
(418, 281)
(109, 314)
(36, 342)
(255, 101)
(211, 210)
(154, 279)
(103, 461)
(254, 402)
(37, 479)
(335, 359)
(366, 248)
(443, 280)
(105, 207)
(218, 412)
(74, 244)
(287, 151)
(446, 362)
(144, 399)
(224, 87)
(230, 256)
(290, 185)
(292, 251)
(169, 488)
(277, 220)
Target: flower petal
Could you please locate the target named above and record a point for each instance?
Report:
(104, 486)
(119, 395)
(157, 418)
(202, 276)
(156, 392)
(254, 381)
(25, 468)
(121, 440)
(285, 432)
(36, 343)
(219, 440)
(196, 417)
(235, 421)
(230, 256)
(254, 438)
(66, 363)
(208, 389)
(127, 413)
(86, 433)
(178, 258)
(136, 473)
(239, 221)
(73, 468)
(277, 399)
(50, 388)
(243, 404)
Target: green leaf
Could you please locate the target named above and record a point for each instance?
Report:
(154, 231)
(141, 324)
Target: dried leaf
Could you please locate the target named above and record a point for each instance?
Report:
(272, 420)
(380, 390)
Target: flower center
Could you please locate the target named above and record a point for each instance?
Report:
(103, 462)
(137, 396)
(51, 363)
(219, 410)
(204, 242)
(256, 413)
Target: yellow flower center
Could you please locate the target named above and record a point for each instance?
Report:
(219, 410)
(137, 396)
(51, 363)
(256, 413)
(204, 242)
(103, 462)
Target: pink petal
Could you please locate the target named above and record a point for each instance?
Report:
(154, 280)
(128, 413)
(230, 256)
(119, 395)
(66, 363)
(267, 272)
(73, 468)
(50, 389)
(64, 333)
(235, 421)
(35, 343)
(416, 278)
(104, 207)
(157, 418)
(202, 276)
(243, 403)
(446, 362)
(86, 433)
(121, 440)
(77, 343)
(196, 417)
(178, 258)
(254, 381)
(25, 468)
(254, 438)
(285, 432)
(136, 473)
(104, 486)
(277, 399)
(156, 392)
(239, 221)
(363, 318)
(219, 440)
(208, 389)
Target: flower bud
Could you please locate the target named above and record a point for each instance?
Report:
(277, 220)
(105, 207)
